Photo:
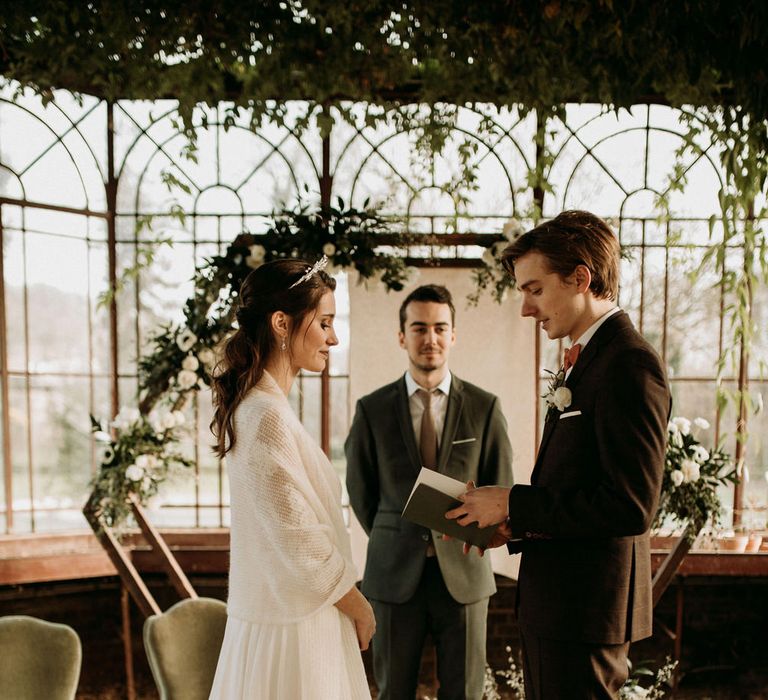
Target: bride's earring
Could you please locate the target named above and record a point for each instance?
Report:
(282, 347)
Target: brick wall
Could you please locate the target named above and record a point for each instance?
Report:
(724, 642)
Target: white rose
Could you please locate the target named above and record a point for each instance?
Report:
(142, 461)
(562, 398)
(690, 470)
(683, 425)
(190, 362)
(676, 438)
(178, 418)
(186, 379)
(168, 421)
(134, 473)
(206, 356)
(329, 249)
(161, 421)
(126, 417)
(677, 477)
(186, 340)
(701, 423)
(488, 257)
(512, 230)
(256, 255)
(102, 436)
(700, 454)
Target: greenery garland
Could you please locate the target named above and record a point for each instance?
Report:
(142, 447)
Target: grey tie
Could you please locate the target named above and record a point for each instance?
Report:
(428, 436)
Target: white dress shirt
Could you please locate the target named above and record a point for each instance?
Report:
(586, 336)
(439, 405)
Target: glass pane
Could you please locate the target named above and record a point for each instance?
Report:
(340, 421)
(15, 299)
(57, 295)
(62, 450)
(693, 323)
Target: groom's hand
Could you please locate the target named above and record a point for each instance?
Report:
(502, 535)
(487, 505)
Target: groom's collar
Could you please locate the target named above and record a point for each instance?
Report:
(586, 336)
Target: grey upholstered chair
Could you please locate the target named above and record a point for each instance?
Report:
(183, 645)
(39, 660)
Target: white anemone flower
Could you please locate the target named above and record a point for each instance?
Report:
(186, 379)
(186, 340)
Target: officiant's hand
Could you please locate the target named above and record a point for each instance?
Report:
(487, 505)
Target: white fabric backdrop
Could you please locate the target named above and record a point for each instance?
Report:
(494, 349)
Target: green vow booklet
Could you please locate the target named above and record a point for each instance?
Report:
(432, 496)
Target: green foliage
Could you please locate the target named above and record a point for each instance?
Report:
(144, 442)
(260, 55)
(642, 683)
(692, 475)
(134, 462)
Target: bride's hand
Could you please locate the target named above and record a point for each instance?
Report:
(365, 625)
(356, 606)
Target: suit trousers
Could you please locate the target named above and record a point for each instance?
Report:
(458, 632)
(565, 670)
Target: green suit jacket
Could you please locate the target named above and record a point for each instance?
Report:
(382, 465)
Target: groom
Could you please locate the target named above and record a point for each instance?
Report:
(584, 588)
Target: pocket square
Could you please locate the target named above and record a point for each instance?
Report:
(461, 442)
(570, 414)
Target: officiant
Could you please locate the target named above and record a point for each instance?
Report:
(418, 583)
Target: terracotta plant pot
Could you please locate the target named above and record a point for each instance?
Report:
(735, 543)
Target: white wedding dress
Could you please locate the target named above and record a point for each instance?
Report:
(290, 561)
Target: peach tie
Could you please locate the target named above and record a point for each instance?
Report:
(570, 356)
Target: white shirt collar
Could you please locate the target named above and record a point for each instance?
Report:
(412, 387)
(586, 336)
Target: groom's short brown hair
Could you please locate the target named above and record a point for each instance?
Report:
(573, 238)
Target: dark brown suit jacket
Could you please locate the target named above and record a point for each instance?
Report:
(583, 524)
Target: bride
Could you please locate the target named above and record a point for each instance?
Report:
(295, 620)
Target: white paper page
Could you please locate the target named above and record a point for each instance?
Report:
(441, 482)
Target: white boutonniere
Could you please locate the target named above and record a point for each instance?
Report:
(558, 396)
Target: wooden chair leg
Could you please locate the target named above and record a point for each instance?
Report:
(125, 609)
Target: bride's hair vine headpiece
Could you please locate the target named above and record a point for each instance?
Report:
(311, 271)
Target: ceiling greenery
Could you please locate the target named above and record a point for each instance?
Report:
(709, 57)
(259, 55)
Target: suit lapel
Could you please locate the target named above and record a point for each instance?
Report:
(452, 415)
(406, 424)
(607, 330)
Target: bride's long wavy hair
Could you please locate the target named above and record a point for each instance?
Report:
(265, 290)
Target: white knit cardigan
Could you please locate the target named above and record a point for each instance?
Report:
(289, 550)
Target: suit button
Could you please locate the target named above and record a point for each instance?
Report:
(425, 537)
(529, 534)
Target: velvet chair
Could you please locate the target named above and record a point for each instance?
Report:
(39, 660)
(183, 645)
